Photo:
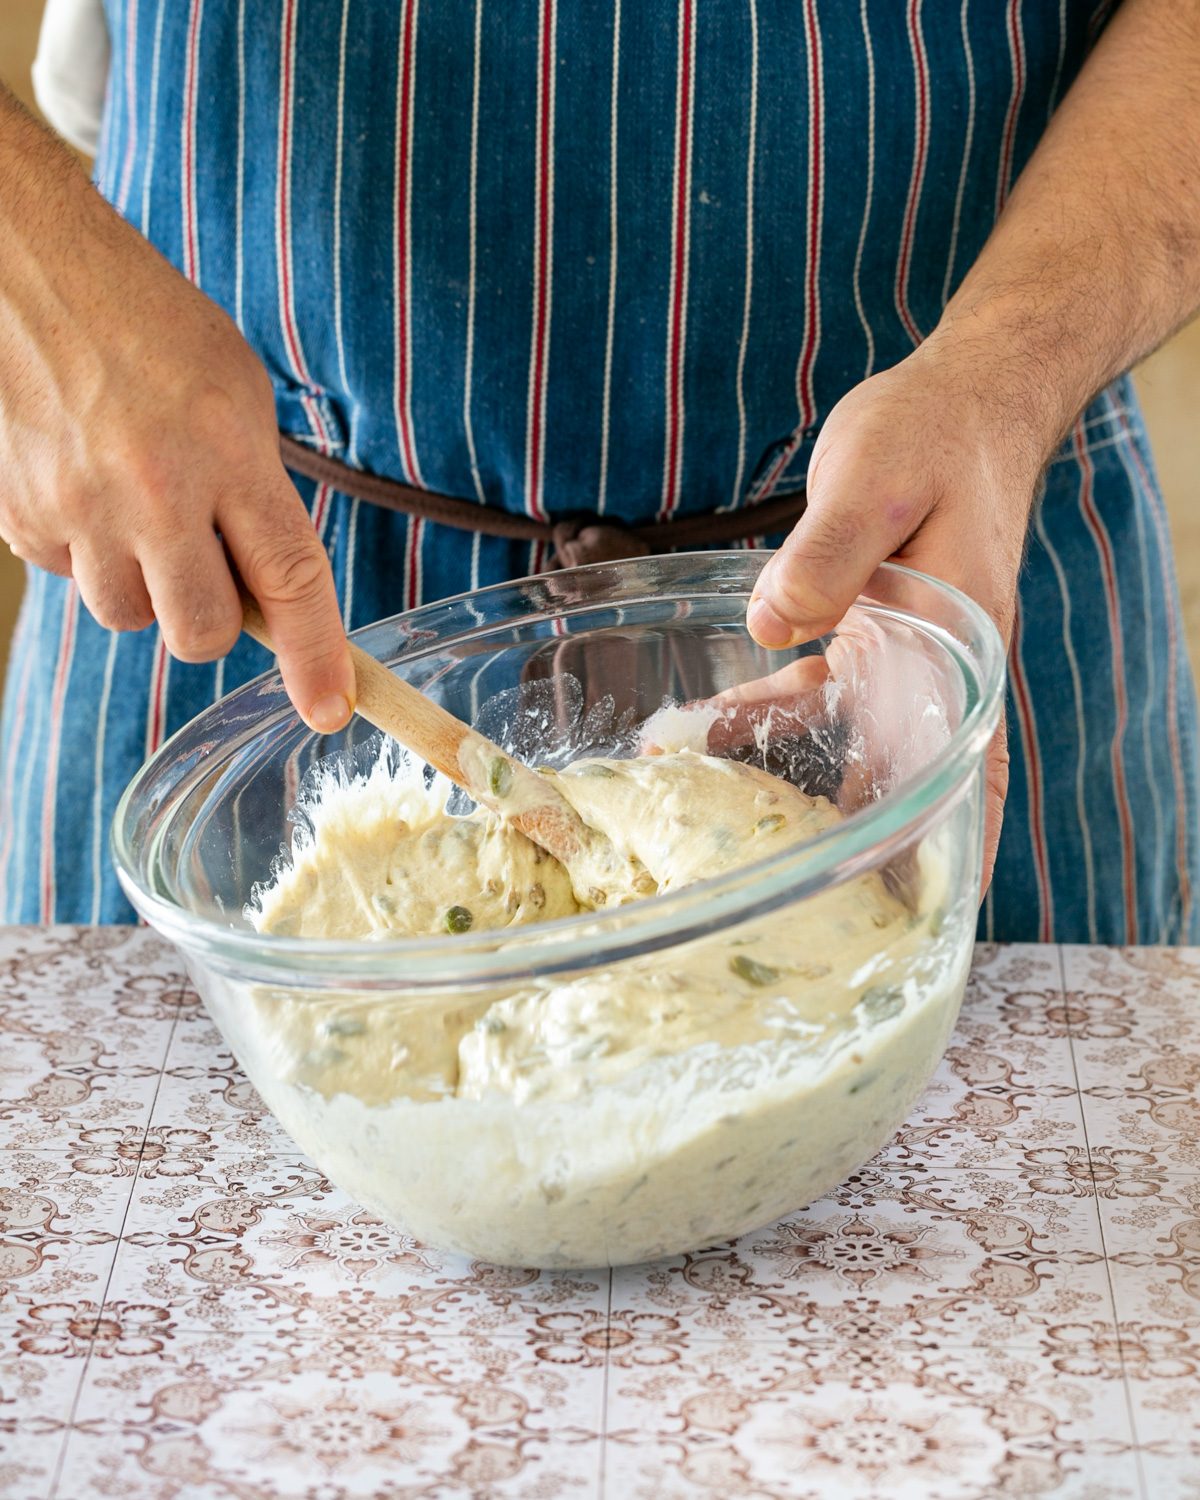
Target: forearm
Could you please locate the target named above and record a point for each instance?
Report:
(58, 238)
(1096, 257)
(43, 187)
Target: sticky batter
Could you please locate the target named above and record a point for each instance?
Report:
(630, 1111)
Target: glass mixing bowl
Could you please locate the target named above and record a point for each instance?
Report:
(631, 1145)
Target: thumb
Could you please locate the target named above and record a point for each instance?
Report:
(850, 526)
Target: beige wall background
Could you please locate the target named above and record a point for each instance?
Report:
(1169, 383)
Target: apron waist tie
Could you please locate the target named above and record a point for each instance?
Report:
(585, 538)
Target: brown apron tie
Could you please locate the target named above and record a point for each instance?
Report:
(581, 539)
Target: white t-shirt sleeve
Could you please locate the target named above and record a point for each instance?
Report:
(70, 72)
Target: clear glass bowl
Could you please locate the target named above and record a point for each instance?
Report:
(653, 1152)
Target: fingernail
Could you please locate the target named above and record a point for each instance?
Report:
(766, 627)
(329, 714)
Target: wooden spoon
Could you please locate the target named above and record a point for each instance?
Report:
(488, 774)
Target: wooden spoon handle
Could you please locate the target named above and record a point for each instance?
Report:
(469, 759)
(394, 706)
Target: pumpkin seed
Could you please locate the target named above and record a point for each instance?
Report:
(343, 1026)
(752, 971)
(881, 1003)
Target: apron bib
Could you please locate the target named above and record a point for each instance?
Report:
(563, 256)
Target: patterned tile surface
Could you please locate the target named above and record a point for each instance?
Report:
(1006, 1302)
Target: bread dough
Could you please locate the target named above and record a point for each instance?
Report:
(632, 1109)
(385, 859)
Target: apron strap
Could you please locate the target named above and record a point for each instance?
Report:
(585, 538)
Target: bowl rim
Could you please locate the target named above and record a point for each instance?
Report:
(479, 960)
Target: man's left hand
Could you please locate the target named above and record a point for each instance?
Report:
(920, 464)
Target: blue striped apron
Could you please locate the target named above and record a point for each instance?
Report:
(555, 255)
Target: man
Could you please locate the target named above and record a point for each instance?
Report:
(555, 256)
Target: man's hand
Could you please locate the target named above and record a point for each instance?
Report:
(1094, 260)
(138, 444)
(911, 464)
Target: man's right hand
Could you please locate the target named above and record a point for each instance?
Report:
(138, 442)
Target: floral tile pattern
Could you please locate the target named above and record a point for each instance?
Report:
(269, 1245)
(85, 1015)
(203, 1088)
(1004, 1089)
(1152, 1236)
(60, 1225)
(857, 1422)
(964, 1258)
(1005, 1302)
(37, 1397)
(237, 1416)
(1137, 1050)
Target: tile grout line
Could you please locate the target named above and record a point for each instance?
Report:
(87, 1363)
(1112, 1291)
(66, 1437)
(603, 1475)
